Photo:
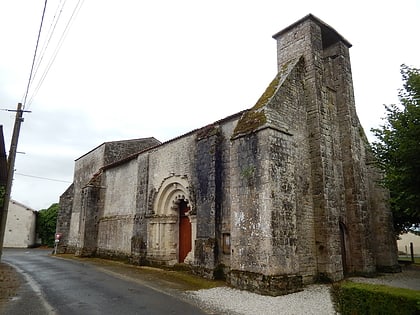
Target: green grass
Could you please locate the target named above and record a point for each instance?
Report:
(405, 258)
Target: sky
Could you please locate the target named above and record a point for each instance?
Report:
(131, 69)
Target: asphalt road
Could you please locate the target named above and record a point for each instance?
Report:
(58, 286)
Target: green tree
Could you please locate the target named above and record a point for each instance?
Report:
(46, 224)
(398, 151)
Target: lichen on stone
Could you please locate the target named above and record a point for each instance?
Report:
(207, 131)
(255, 117)
(268, 93)
(249, 122)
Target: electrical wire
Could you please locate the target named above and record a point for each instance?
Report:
(34, 57)
(57, 49)
(49, 35)
(43, 178)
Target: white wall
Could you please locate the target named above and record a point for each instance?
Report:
(116, 224)
(404, 243)
(20, 226)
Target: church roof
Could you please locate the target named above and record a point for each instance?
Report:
(145, 142)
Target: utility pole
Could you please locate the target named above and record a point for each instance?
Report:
(10, 172)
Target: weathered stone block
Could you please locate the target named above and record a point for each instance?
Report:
(273, 285)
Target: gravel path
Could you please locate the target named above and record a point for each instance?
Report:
(315, 299)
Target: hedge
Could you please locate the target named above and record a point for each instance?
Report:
(360, 298)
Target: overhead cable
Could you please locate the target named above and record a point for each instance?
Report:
(49, 35)
(57, 49)
(43, 178)
(34, 57)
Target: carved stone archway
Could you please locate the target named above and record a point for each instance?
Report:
(163, 231)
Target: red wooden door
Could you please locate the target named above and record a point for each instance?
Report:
(184, 232)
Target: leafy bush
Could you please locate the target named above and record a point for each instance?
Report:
(360, 298)
(46, 224)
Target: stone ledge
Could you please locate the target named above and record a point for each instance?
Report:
(273, 285)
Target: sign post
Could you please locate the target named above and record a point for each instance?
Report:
(56, 241)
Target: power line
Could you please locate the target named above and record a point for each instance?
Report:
(57, 49)
(36, 49)
(44, 178)
(50, 34)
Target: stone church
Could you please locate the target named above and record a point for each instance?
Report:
(274, 197)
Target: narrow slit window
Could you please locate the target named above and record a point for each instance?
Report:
(226, 243)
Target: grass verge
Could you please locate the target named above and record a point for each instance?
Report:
(353, 298)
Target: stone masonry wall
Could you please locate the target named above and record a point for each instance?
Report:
(247, 211)
(263, 218)
(119, 211)
(342, 215)
(224, 226)
(64, 218)
(290, 173)
(85, 167)
(89, 217)
(88, 165)
(306, 39)
(383, 239)
(269, 215)
(207, 184)
(174, 159)
(139, 237)
(360, 257)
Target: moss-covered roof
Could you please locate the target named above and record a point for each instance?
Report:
(255, 118)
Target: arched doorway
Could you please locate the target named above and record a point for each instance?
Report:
(172, 223)
(185, 231)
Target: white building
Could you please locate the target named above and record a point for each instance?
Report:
(404, 243)
(20, 226)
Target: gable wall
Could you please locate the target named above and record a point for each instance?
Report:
(84, 168)
(116, 218)
(175, 157)
(121, 188)
(20, 226)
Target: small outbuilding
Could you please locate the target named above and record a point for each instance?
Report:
(20, 226)
(404, 243)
